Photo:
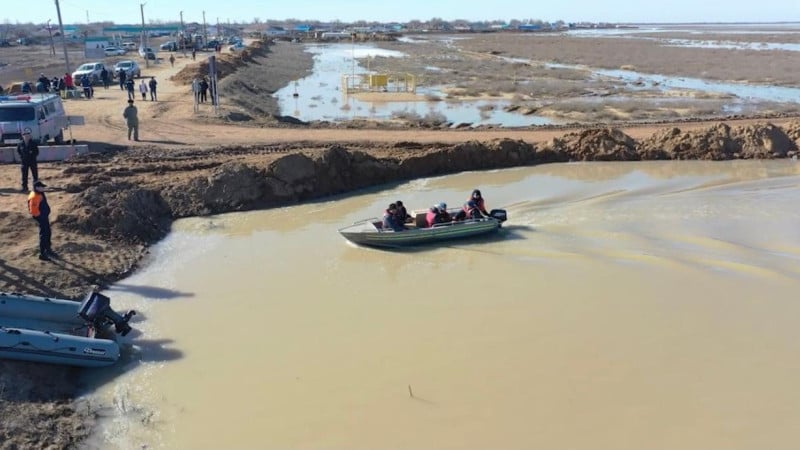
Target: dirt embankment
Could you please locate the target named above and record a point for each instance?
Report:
(138, 210)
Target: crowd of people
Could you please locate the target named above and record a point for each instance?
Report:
(57, 85)
(396, 217)
(201, 90)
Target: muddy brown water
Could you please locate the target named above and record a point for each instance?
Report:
(623, 305)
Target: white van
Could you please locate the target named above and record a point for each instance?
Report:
(42, 113)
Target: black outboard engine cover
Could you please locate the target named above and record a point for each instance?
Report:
(96, 309)
(499, 214)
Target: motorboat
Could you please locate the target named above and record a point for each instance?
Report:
(59, 331)
(370, 232)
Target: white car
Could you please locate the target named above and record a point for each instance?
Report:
(114, 51)
(131, 69)
(92, 70)
(147, 52)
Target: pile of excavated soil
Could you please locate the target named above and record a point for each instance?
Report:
(226, 63)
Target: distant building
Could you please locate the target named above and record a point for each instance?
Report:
(529, 27)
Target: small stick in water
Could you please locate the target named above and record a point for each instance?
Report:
(410, 392)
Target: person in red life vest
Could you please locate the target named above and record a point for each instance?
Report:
(438, 214)
(40, 211)
(471, 210)
(478, 199)
(390, 221)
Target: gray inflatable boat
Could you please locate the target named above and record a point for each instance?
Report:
(59, 331)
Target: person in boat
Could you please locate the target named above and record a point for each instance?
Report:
(478, 199)
(438, 214)
(475, 201)
(402, 213)
(471, 210)
(390, 220)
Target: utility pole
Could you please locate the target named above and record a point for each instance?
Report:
(144, 37)
(87, 17)
(63, 39)
(205, 30)
(52, 44)
(218, 33)
(183, 36)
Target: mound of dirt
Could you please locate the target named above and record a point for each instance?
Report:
(118, 210)
(719, 142)
(604, 144)
(232, 186)
(226, 63)
(763, 141)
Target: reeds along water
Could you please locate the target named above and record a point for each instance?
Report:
(643, 304)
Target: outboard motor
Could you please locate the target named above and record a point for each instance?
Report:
(499, 214)
(96, 310)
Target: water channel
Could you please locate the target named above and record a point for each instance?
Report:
(624, 305)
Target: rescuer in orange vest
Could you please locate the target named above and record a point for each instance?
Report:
(40, 211)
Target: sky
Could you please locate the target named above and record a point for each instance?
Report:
(619, 11)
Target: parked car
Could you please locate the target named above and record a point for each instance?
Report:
(114, 51)
(236, 47)
(145, 51)
(131, 69)
(211, 44)
(170, 46)
(129, 45)
(92, 70)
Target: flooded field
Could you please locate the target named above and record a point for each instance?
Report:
(623, 305)
(513, 80)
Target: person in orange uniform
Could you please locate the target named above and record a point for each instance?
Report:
(40, 211)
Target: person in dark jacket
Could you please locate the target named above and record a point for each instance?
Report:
(40, 211)
(402, 213)
(390, 221)
(129, 87)
(122, 78)
(104, 77)
(28, 151)
(152, 84)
